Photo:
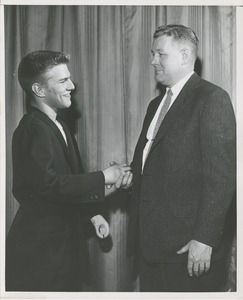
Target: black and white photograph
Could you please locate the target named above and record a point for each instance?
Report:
(120, 150)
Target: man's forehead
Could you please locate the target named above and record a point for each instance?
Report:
(162, 42)
(159, 43)
(57, 72)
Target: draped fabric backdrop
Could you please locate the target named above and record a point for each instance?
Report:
(110, 66)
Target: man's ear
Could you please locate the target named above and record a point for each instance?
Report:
(186, 56)
(38, 90)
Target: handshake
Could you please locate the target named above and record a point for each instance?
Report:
(119, 175)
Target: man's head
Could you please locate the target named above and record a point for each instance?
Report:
(174, 53)
(44, 76)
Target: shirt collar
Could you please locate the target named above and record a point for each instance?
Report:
(179, 85)
(47, 110)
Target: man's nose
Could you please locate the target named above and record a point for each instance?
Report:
(71, 86)
(154, 60)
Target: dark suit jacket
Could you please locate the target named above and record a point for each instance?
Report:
(46, 248)
(188, 180)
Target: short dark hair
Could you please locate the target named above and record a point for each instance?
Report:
(35, 64)
(180, 34)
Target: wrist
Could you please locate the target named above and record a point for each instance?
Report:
(106, 176)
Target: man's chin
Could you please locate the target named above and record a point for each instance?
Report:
(159, 79)
(68, 104)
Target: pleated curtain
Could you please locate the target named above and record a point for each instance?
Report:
(110, 48)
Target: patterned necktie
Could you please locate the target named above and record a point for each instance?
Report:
(161, 116)
(163, 112)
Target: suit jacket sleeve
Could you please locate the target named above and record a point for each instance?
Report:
(218, 152)
(44, 168)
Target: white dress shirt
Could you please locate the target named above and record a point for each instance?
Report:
(175, 90)
(62, 130)
(52, 115)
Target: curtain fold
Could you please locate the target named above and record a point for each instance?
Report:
(114, 80)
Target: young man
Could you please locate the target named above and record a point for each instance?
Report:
(45, 248)
(184, 172)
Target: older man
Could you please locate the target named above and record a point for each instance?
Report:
(184, 174)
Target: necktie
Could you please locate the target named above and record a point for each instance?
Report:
(161, 116)
(163, 112)
(72, 153)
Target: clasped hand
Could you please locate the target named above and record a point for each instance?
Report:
(119, 175)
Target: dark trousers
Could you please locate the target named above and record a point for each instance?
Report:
(156, 277)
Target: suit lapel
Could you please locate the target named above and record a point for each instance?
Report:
(68, 150)
(148, 119)
(177, 109)
(73, 153)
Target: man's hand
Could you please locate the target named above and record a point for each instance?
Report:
(114, 172)
(101, 226)
(124, 182)
(199, 257)
(125, 179)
